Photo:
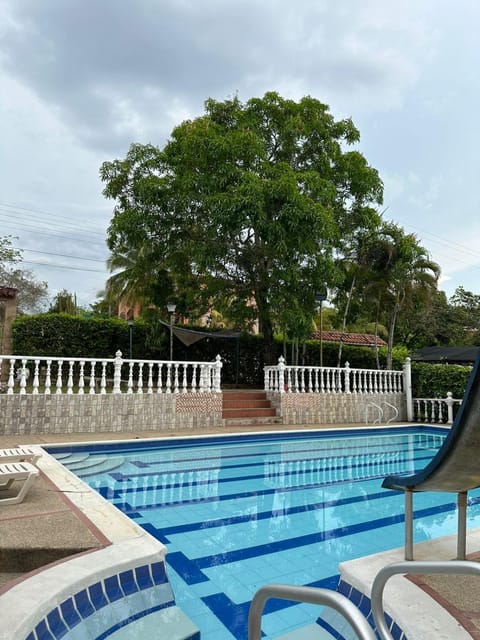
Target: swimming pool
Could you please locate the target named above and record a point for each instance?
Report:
(238, 512)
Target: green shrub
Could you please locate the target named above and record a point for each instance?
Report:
(435, 380)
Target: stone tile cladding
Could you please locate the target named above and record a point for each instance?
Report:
(336, 408)
(29, 414)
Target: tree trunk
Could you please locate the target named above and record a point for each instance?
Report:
(269, 350)
(344, 321)
(391, 332)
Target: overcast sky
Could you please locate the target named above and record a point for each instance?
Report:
(80, 80)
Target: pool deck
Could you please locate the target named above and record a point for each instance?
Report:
(47, 527)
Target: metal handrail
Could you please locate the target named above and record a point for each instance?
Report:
(344, 606)
(449, 567)
(310, 595)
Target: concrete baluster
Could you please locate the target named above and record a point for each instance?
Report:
(59, 378)
(81, 378)
(117, 372)
(36, 382)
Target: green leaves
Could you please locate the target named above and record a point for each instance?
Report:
(252, 199)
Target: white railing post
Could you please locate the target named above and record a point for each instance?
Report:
(407, 383)
(217, 374)
(81, 378)
(347, 377)
(11, 377)
(23, 377)
(117, 372)
(281, 375)
(36, 380)
(91, 389)
(58, 383)
(449, 403)
(70, 378)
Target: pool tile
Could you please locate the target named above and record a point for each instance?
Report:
(97, 595)
(112, 588)
(158, 572)
(83, 604)
(56, 624)
(69, 613)
(42, 632)
(128, 583)
(143, 577)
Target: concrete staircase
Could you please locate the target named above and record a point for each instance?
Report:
(248, 407)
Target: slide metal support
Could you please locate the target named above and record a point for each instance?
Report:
(408, 524)
(462, 525)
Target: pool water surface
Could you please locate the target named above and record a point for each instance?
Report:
(236, 513)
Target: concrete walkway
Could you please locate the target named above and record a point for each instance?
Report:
(47, 527)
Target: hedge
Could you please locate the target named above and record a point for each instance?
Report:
(63, 335)
(436, 380)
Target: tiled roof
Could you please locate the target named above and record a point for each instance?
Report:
(355, 339)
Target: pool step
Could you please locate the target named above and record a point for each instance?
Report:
(169, 623)
(312, 632)
(84, 465)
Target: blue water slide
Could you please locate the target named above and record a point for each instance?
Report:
(454, 469)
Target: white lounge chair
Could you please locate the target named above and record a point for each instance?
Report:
(24, 472)
(19, 454)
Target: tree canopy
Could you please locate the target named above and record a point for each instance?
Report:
(245, 208)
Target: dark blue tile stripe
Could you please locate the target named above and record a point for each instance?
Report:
(330, 454)
(336, 635)
(235, 616)
(329, 466)
(71, 612)
(265, 515)
(191, 570)
(215, 441)
(137, 616)
(135, 511)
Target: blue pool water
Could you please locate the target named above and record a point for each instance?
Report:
(239, 512)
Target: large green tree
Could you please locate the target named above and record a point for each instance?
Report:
(248, 204)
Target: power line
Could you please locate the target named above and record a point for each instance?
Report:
(60, 255)
(17, 209)
(52, 265)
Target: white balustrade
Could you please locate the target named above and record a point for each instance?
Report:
(283, 378)
(37, 374)
(435, 410)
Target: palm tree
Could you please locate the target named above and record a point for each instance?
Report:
(403, 275)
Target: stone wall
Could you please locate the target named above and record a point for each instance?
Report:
(42, 414)
(37, 414)
(337, 408)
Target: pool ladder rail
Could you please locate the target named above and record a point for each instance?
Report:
(342, 605)
(380, 411)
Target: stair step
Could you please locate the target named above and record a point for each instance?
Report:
(104, 466)
(73, 458)
(85, 464)
(248, 413)
(240, 404)
(244, 395)
(242, 422)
